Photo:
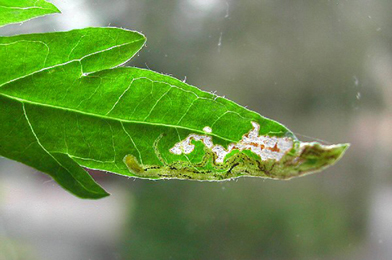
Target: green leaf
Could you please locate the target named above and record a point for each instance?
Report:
(65, 105)
(16, 11)
(32, 55)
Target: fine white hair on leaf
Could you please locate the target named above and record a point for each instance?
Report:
(266, 147)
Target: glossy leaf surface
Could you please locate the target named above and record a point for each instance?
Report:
(16, 11)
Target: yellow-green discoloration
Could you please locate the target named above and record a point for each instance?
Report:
(132, 164)
(303, 159)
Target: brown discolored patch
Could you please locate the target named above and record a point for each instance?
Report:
(275, 148)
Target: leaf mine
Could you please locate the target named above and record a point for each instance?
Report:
(254, 155)
(266, 147)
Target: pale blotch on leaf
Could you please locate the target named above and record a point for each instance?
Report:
(266, 147)
(207, 129)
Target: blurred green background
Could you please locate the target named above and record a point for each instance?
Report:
(322, 68)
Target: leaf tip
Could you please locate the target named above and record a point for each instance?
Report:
(101, 195)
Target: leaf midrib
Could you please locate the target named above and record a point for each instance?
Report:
(112, 118)
(80, 59)
(24, 8)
